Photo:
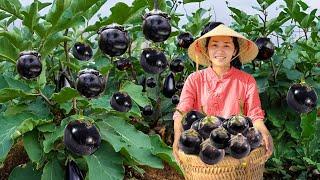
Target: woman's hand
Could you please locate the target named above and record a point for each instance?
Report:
(266, 136)
(175, 149)
(177, 132)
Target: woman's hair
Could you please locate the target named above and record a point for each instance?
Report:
(235, 62)
(208, 27)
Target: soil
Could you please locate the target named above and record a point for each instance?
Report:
(17, 155)
(167, 173)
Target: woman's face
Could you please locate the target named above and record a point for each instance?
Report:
(220, 50)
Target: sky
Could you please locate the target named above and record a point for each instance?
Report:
(222, 13)
(220, 10)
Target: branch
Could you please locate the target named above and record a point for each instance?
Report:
(65, 46)
(305, 33)
(45, 98)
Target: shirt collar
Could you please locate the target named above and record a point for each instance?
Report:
(212, 75)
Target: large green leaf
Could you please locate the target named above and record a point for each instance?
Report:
(294, 74)
(42, 79)
(4, 15)
(14, 126)
(12, 7)
(64, 95)
(135, 92)
(307, 20)
(307, 124)
(8, 52)
(292, 127)
(24, 172)
(117, 14)
(56, 10)
(163, 151)
(39, 108)
(277, 22)
(48, 143)
(15, 38)
(8, 94)
(9, 82)
(105, 164)
(266, 3)
(161, 4)
(69, 13)
(276, 117)
(94, 9)
(32, 146)
(31, 16)
(132, 16)
(101, 103)
(123, 136)
(52, 42)
(52, 171)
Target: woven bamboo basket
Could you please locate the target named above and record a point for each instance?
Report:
(250, 167)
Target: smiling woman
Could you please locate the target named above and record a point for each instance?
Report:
(222, 90)
(221, 50)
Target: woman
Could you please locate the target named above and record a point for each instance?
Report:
(221, 88)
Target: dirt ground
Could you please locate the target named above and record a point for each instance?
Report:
(16, 156)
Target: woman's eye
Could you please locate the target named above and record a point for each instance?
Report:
(226, 46)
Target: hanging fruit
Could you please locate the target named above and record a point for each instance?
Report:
(81, 51)
(121, 101)
(156, 25)
(169, 89)
(29, 65)
(185, 39)
(153, 61)
(301, 98)
(266, 48)
(90, 83)
(81, 138)
(113, 40)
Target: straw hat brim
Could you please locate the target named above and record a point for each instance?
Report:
(248, 50)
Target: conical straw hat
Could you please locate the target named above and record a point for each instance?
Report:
(197, 51)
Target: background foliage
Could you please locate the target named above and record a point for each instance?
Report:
(34, 112)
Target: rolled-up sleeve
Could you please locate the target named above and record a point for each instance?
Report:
(252, 105)
(187, 96)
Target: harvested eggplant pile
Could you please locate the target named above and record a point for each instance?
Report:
(213, 137)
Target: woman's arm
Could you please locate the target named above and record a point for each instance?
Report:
(177, 133)
(254, 111)
(266, 136)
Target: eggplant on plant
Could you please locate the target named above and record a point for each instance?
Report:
(29, 64)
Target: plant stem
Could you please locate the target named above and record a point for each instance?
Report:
(74, 105)
(45, 98)
(305, 33)
(174, 3)
(273, 70)
(65, 46)
(155, 4)
(265, 22)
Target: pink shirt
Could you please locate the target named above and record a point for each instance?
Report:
(220, 97)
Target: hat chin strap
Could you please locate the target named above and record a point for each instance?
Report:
(235, 56)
